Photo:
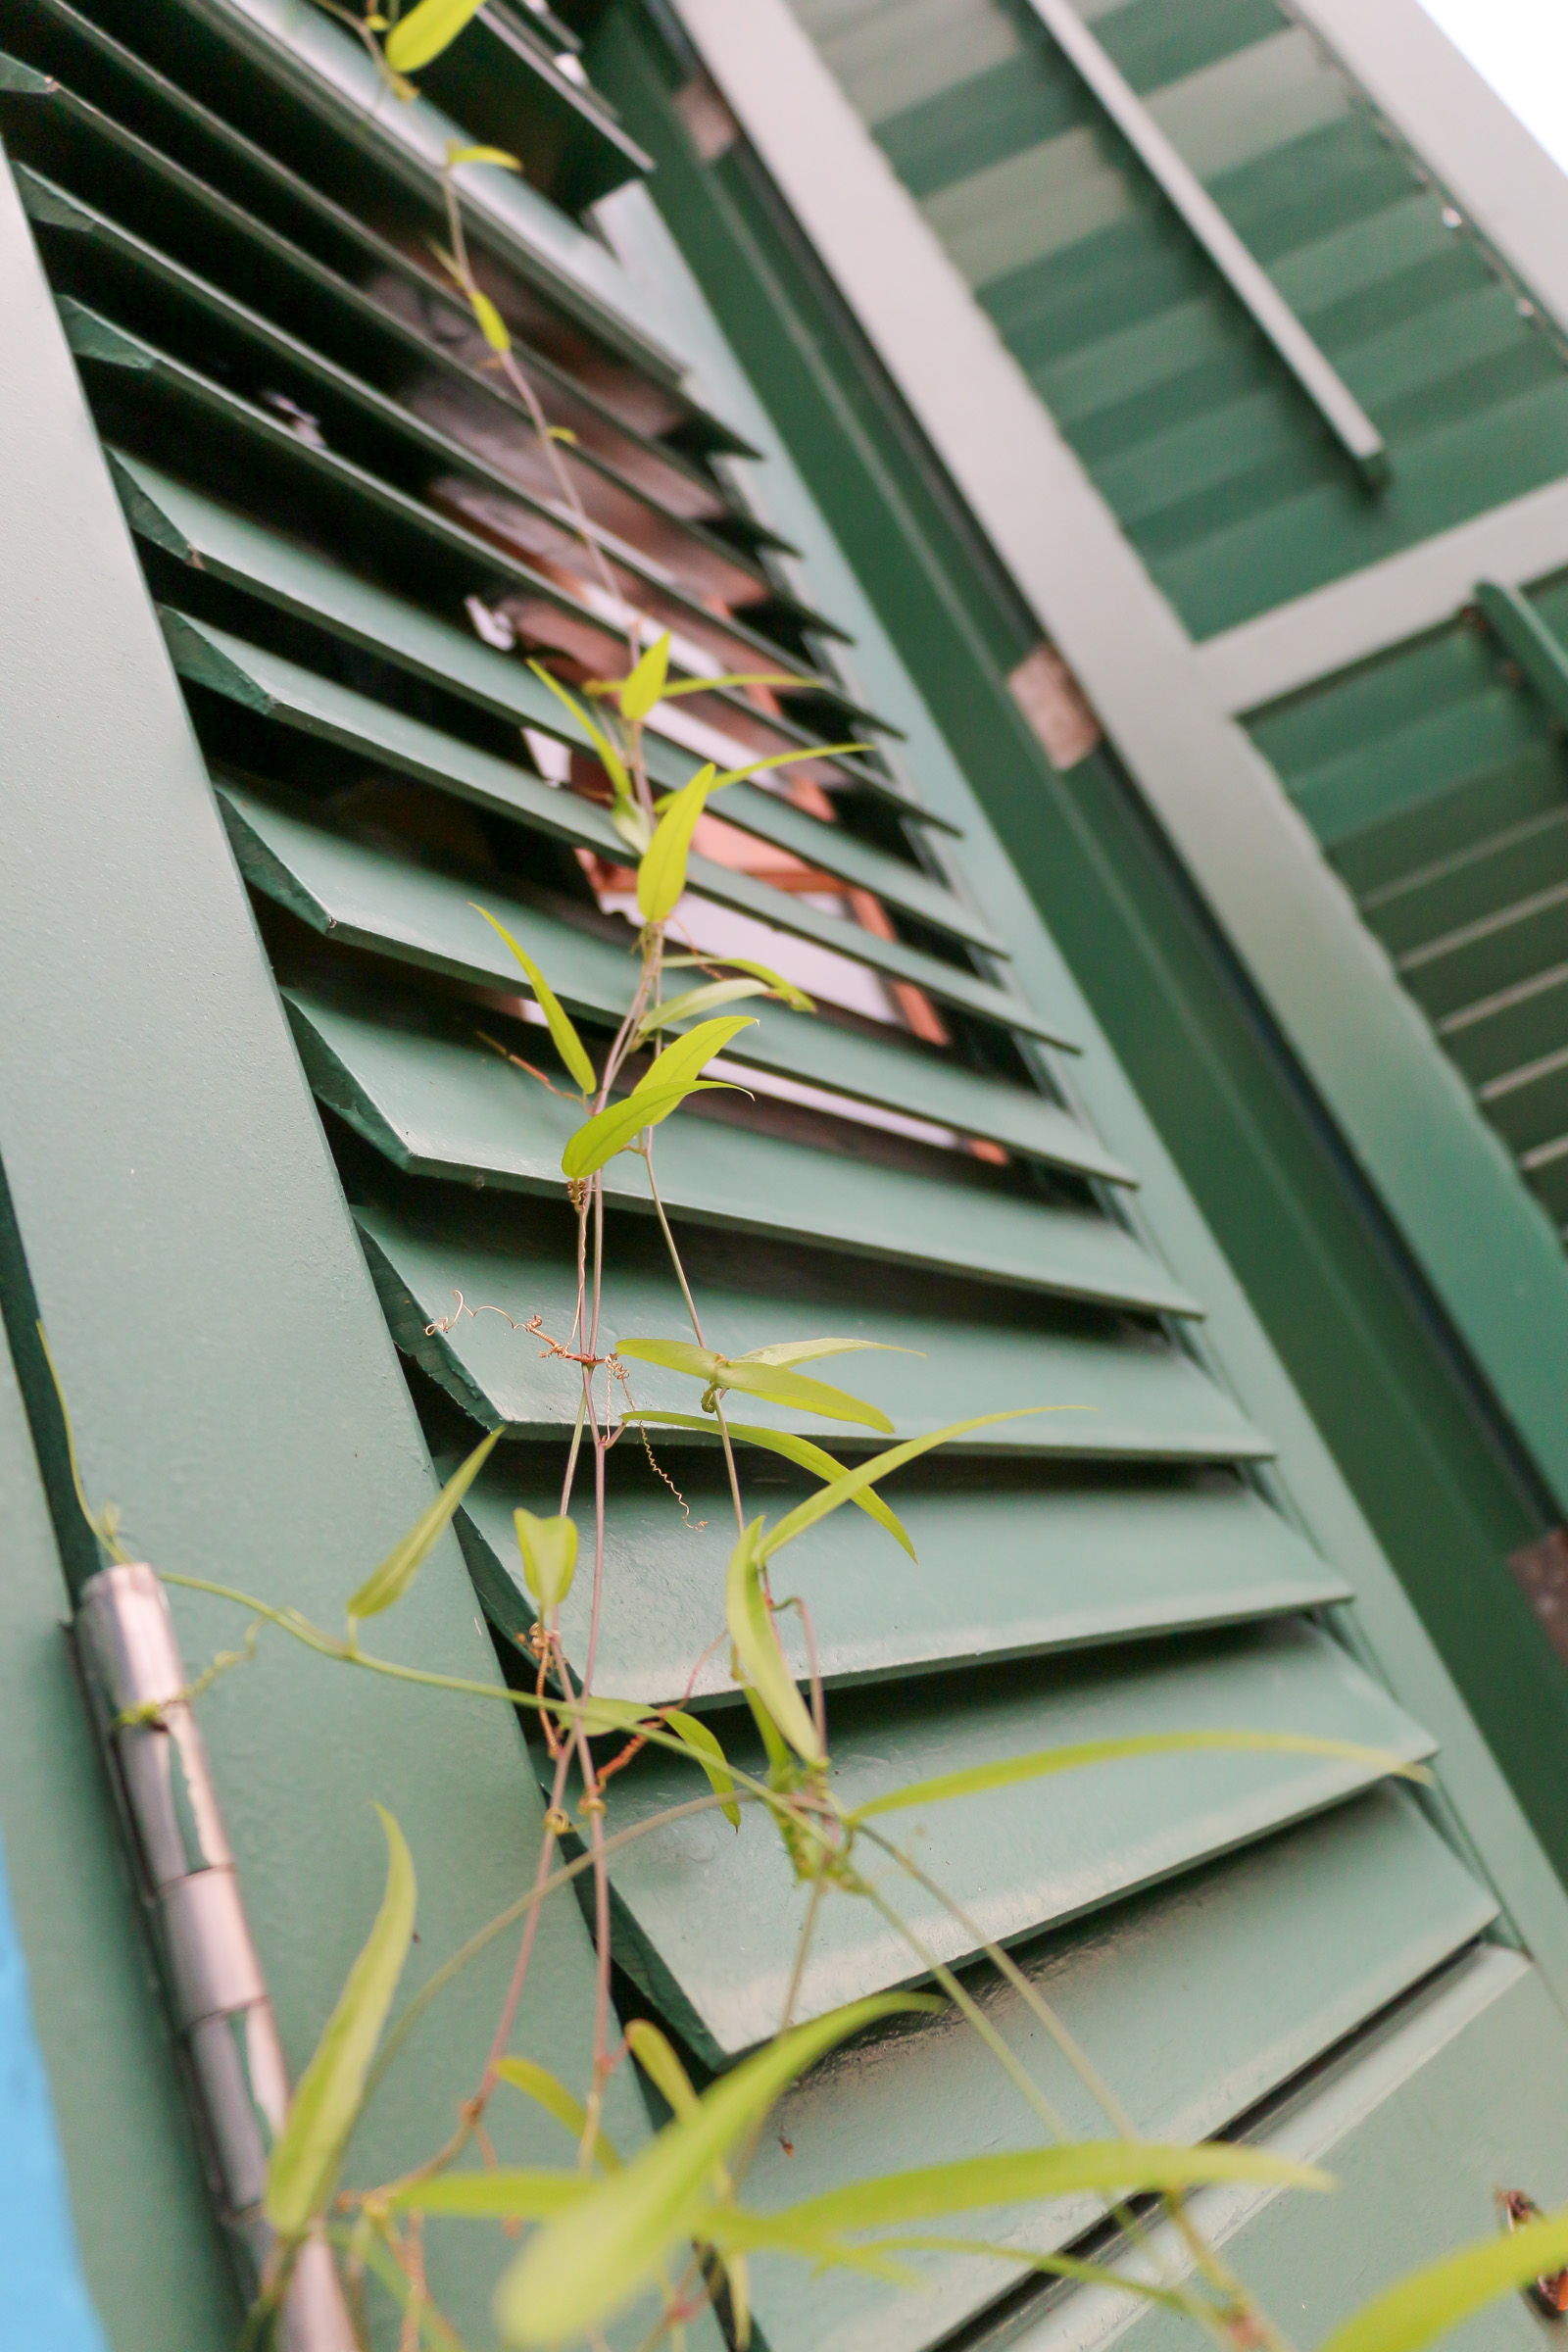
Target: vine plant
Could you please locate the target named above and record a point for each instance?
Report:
(672, 2221)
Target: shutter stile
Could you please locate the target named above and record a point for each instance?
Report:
(304, 438)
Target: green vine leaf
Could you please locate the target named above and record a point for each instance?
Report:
(549, 1548)
(881, 1465)
(662, 875)
(784, 1352)
(815, 750)
(548, 2092)
(742, 677)
(419, 37)
(661, 1089)
(1111, 2166)
(698, 1000)
(492, 325)
(793, 996)
(1045, 1762)
(664, 2069)
(501, 159)
(756, 1379)
(751, 1628)
(629, 1715)
(705, 1747)
(644, 689)
(1433, 2299)
(387, 1584)
(518, 2193)
(696, 1048)
(610, 1129)
(794, 1450)
(598, 2252)
(303, 2170)
(782, 1769)
(568, 1043)
(625, 816)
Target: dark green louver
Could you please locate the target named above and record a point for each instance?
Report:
(1434, 779)
(304, 439)
(1210, 457)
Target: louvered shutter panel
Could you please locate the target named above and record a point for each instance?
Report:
(352, 542)
(1234, 491)
(1433, 777)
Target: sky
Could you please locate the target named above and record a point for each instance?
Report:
(1520, 47)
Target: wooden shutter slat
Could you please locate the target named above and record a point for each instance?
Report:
(1208, 1996)
(354, 892)
(1017, 1859)
(282, 690)
(734, 577)
(99, 342)
(1141, 1397)
(1014, 1570)
(1118, 1568)
(324, 68)
(440, 1107)
(217, 167)
(243, 554)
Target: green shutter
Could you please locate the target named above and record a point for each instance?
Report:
(1214, 461)
(1435, 779)
(1214, 1925)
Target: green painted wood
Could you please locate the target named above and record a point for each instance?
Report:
(1278, 1952)
(1520, 630)
(320, 250)
(324, 69)
(282, 690)
(138, 2195)
(355, 301)
(1155, 45)
(352, 892)
(97, 341)
(1436, 778)
(1212, 461)
(1446, 475)
(1016, 1860)
(1084, 854)
(1414, 2131)
(1005, 1569)
(439, 1105)
(1202, 109)
(1497, 951)
(868, 1294)
(245, 555)
(208, 199)
(1135, 1394)
(1442, 898)
(160, 1146)
(279, 689)
(357, 415)
(508, 85)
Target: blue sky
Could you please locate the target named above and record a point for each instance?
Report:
(1520, 47)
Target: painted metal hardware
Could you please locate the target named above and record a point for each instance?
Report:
(1548, 2293)
(1524, 635)
(1248, 281)
(158, 1762)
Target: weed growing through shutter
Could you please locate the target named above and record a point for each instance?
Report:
(672, 2222)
